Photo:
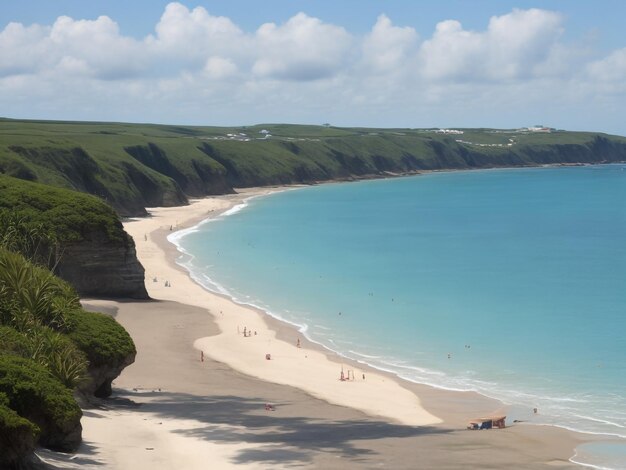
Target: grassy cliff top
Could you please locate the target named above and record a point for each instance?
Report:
(134, 166)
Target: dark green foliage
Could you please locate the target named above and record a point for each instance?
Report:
(66, 216)
(35, 303)
(48, 348)
(34, 394)
(100, 337)
(40, 365)
(11, 341)
(31, 296)
(45, 340)
(17, 436)
(34, 240)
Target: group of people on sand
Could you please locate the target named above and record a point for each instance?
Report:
(348, 376)
(246, 331)
(167, 283)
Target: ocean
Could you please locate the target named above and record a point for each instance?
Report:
(509, 282)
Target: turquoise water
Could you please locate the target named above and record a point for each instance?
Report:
(508, 282)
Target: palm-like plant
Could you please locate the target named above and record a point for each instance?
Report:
(35, 303)
(35, 241)
(58, 354)
(32, 295)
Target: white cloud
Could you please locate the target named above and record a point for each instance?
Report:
(23, 48)
(513, 46)
(306, 70)
(218, 68)
(304, 48)
(610, 69)
(87, 47)
(98, 45)
(191, 36)
(388, 47)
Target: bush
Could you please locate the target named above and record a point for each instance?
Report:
(11, 341)
(100, 337)
(17, 436)
(66, 215)
(30, 295)
(34, 394)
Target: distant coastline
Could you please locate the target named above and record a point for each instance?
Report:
(134, 166)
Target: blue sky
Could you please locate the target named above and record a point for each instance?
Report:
(481, 63)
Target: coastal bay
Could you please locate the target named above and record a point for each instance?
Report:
(165, 332)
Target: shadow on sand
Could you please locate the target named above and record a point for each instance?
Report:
(291, 440)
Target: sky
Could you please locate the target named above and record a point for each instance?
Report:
(374, 63)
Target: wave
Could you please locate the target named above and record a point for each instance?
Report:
(598, 420)
(235, 209)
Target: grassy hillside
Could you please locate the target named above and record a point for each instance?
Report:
(133, 166)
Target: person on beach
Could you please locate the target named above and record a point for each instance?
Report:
(201, 356)
(298, 343)
(245, 332)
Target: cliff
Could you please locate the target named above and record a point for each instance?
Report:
(97, 267)
(134, 166)
(77, 235)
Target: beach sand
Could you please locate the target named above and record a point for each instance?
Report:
(196, 396)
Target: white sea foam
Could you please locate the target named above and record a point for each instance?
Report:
(235, 209)
(598, 420)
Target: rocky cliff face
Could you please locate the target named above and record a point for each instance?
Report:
(101, 377)
(99, 268)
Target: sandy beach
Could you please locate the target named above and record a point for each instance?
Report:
(199, 389)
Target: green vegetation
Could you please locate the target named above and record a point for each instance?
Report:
(55, 331)
(100, 337)
(17, 435)
(49, 346)
(33, 394)
(39, 214)
(133, 166)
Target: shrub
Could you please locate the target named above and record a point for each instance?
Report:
(11, 341)
(100, 337)
(17, 436)
(34, 394)
(30, 295)
(66, 215)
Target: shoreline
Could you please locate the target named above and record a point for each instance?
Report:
(292, 330)
(322, 372)
(178, 319)
(465, 405)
